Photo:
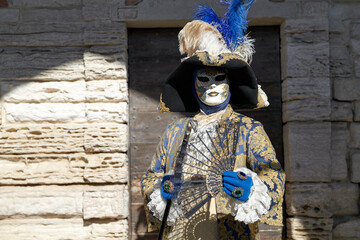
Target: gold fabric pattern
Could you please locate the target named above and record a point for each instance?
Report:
(254, 151)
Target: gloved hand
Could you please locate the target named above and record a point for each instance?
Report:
(237, 185)
(167, 187)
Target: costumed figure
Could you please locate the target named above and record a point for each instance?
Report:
(215, 175)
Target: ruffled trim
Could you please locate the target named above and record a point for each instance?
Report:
(157, 206)
(256, 206)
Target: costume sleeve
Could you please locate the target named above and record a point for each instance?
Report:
(262, 160)
(152, 178)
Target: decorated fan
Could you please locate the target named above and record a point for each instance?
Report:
(208, 155)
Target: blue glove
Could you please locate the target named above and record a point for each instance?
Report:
(167, 187)
(237, 185)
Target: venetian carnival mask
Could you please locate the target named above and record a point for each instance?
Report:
(212, 86)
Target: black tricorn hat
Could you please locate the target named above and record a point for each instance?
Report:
(177, 94)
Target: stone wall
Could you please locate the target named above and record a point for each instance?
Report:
(64, 115)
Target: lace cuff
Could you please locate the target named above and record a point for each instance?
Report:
(157, 206)
(256, 206)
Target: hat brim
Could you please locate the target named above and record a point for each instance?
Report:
(177, 93)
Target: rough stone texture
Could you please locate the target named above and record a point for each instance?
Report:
(51, 15)
(65, 201)
(63, 138)
(110, 90)
(316, 9)
(61, 63)
(41, 35)
(357, 67)
(60, 229)
(347, 230)
(355, 46)
(107, 112)
(357, 111)
(105, 33)
(355, 135)
(309, 228)
(63, 169)
(45, 3)
(9, 15)
(339, 138)
(98, 11)
(310, 200)
(340, 60)
(106, 138)
(105, 62)
(38, 92)
(305, 88)
(111, 203)
(307, 151)
(355, 168)
(306, 110)
(345, 199)
(341, 111)
(346, 89)
(45, 112)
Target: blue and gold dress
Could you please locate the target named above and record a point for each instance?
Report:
(213, 220)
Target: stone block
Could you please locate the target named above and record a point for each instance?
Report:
(106, 203)
(355, 45)
(37, 92)
(307, 151)
(126, 13)
(107, 112)
(315, 9)
(45, 3)
(309, 228)
(105, 33)
(45, 112)
(42, 138)
(305, 88)
(355, 168)
(43, 64)
(340, 61)
(305, 60)
(8, 15)
(346, 89)
(106, 138)
(354, 135)
(96, 13)
(35, 34)
(63, 169)
(107, 90)
(345, 199)
(344, 9)
(347, 230)
(45, 15)
(357, 111)
(303, 25)
(44, 229)
(308, 199)
(308, 109)
(61, 201)
(63, 138)
(341, 111)
(60, 229)
(339, 139)
(357, 66)
(355, 29)
(105, 63)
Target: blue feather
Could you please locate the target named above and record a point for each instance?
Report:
(208, 15)
(234, 23)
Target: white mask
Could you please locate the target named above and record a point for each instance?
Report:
(212, 86)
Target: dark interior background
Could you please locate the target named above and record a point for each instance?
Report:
(153, 55)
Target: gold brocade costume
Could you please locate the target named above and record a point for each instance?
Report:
(254, 151)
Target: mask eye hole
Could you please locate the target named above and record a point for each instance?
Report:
(203, 79)
(220, 78)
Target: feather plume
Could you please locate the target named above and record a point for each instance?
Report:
(234, 23)
(206, 14)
